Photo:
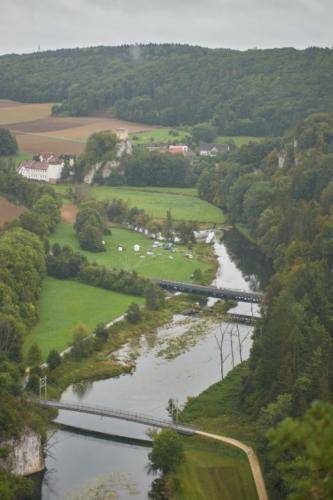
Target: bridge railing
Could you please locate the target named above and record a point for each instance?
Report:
(119, 414)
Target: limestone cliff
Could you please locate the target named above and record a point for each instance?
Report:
(25, 455)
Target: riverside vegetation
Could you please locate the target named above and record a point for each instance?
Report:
(279, 193)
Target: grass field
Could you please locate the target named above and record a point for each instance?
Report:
(179, 267)
(239, 140)
(64, 304)
(214, 475)
(182, 206)
(20, 156)
(223, 472)
(160, 135)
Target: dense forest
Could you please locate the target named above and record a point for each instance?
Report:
(255, 92)
(280, 194)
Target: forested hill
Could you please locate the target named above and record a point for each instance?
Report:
(256, 92)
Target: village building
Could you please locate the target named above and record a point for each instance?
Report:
(182, 149)
(212, 150)
(47, 169)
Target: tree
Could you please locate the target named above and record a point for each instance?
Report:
(133, 314)
(302, 450)
(53, 359)
(168, 451)
(168, 226)
(204, 132)
(154, 297)
(34, 356)
(8, 144)
(101, 332)
(91, 238)
(100, 146)
(48, 209)
(185, 231)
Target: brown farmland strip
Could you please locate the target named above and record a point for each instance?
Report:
(9, 211)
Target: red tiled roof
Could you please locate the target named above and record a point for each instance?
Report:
(34, 165)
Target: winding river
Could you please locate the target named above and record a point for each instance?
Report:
(177, 361)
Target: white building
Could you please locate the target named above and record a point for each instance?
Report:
(42, 171)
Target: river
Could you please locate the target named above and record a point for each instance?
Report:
(178, 360)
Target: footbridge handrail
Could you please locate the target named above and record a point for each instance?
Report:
(119, 414)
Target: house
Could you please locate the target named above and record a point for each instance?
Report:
(212, 150)
(48, 169)
(136, 248)
(181, 149)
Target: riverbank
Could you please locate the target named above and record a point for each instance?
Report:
(102, 364)
(212, 469)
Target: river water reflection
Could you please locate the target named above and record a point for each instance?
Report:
(86, 467)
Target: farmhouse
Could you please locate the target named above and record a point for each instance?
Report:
(47, 169)
(178, 149)
(213, 150)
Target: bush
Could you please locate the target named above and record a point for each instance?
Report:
(8, 144)
(154, 297)
(168, 451)
(133, 314)
(53, 359)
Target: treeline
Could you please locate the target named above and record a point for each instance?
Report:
(147, 168)
(23, 246)
(281, 196)
(255, 92)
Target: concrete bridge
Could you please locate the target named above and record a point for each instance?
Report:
(210, 291)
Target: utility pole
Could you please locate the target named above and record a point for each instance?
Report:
(43, 385)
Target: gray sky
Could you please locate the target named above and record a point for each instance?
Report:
(239, 24)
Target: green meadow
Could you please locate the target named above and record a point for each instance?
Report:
(216, 473)
(159, 135)
(162, 264)
(63, 304)
(239, 140)
(182, 204)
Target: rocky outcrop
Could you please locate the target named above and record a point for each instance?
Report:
(25, 455)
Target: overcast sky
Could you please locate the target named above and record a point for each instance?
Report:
(239, 24)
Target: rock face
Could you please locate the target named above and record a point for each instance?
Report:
(25, 454)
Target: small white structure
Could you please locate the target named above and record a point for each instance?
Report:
(120, 248)
(42, 171)
(136, 248)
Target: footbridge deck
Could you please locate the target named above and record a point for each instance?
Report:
(119, 414)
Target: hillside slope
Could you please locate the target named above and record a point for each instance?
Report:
(256, 92)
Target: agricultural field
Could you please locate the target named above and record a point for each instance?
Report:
(162, 264)
(182, 206)
(9, 211)
(63, 304)
(159, 135)
(36, 130)
(16, 113)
